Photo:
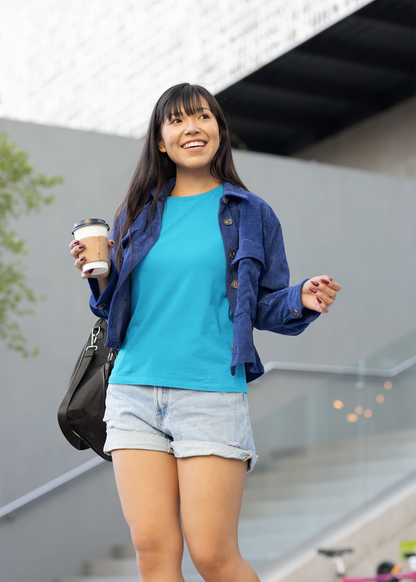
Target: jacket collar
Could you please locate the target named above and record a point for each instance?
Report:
(233, 190)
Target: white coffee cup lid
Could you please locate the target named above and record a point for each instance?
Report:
(90, 222)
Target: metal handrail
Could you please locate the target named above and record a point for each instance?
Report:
(327, 369)
(10, 508)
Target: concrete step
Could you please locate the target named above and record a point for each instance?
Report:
(126, 567)
(111, 567)
(386, 445)
(301, 506)
(263, 485)
(337, 459)
(285, 526)
(347, 485)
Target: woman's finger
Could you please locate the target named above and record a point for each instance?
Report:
(87, 274)
(329, 282)
(78, 264)
(322, 297)
(322, 291)
(325, 284)
(76, 250)
(323, 307)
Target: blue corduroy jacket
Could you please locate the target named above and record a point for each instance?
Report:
(257, 275)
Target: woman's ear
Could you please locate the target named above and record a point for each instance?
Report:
(161, 145)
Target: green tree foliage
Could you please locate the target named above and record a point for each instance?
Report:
(22, 191)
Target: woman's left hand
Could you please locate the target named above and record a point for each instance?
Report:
(319, 293)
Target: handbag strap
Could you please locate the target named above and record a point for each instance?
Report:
(73, 438)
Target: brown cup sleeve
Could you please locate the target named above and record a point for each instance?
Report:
(96, 249)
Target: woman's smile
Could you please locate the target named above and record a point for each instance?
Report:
(194, 145)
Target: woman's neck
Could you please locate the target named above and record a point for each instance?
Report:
(191, 185)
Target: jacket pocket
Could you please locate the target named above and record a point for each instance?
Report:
(250, 249)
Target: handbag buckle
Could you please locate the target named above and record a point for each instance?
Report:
(94, 335)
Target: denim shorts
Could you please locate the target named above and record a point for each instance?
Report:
(182, 422)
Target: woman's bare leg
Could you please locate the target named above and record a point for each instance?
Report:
(147, 483)
(211, 491)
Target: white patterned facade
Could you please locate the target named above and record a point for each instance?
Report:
(101, 64)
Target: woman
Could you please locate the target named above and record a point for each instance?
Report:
(181, 300)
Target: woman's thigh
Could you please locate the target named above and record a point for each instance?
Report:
(211, 491)
(147, 483)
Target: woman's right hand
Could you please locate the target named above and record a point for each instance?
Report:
(76, 251)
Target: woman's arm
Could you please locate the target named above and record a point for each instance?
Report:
(282, 308)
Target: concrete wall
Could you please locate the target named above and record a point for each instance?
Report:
(383, 143)
(356, 226)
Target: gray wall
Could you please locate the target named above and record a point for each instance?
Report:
(354, 225)
(385, 142)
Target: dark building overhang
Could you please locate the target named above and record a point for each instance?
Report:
(350, 71)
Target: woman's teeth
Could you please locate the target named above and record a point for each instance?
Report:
(194, 144)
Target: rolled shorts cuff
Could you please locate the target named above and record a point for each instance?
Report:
(183, 449)
(125, 439)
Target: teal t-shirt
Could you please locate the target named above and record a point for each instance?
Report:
(171, 341)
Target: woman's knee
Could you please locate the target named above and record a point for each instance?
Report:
(154, 552)
(215, 563)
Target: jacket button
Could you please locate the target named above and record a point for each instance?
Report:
(225, 200)
(101, 306)
(296, 313)
(228, 221)
(233, 254)
(234, 284)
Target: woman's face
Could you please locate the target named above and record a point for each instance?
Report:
(191, 141)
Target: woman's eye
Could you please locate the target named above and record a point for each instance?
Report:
(175, 120)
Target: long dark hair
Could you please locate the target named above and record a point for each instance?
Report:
(155, 168)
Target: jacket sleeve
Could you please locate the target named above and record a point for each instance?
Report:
(279, 306)
(100, 304)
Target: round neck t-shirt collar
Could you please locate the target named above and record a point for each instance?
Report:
(217, 191)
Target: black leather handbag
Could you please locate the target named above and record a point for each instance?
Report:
(81, 413)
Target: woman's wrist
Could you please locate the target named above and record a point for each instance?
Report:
(104, 281)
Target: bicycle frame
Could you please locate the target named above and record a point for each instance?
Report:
(341, 571)
(381, 577)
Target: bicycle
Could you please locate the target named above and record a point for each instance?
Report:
(386, 571)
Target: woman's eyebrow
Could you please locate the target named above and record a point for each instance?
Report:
(181, 113)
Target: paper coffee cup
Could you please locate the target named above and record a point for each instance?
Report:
(92, 233)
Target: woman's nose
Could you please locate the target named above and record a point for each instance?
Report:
(191, 126)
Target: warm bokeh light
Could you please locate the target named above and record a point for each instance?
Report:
(352, 417)
(367, 413)
(388, 385)
(338, 404)
(380, 398)
(358, 410)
